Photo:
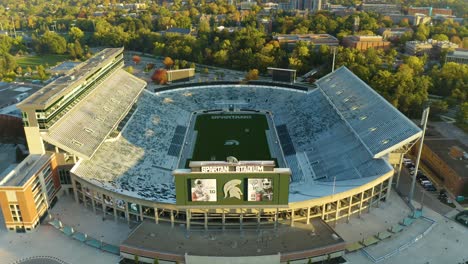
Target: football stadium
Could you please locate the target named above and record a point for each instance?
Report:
(218, 156)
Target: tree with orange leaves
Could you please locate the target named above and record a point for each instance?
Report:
(159, 76)
(136, 59)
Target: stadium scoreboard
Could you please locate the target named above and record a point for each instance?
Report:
(282, 75)
(246, 183)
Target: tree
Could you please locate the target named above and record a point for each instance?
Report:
(19, 70)
(136, 59)
(136, 259)
(168, 62)
(41, 72)
(251, 75)
(7, 63)
(156, 261)
(462, 114)
(451, 80)
(51, 43)
(29, 70)
(75, 34)
(159, 76)
(149, 66)
(440, 37)
(129, 69)
(438, 107)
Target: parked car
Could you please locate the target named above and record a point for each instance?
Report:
(430, 187)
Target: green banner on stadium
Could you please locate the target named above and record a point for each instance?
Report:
(261, 188)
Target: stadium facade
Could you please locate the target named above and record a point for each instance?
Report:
(127, 152)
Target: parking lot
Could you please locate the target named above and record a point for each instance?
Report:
(12, 93)
(427, 191)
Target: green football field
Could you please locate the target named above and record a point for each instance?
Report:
(239, 135)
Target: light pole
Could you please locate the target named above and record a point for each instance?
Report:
(422, 199)
(333, 62)
(421, 144)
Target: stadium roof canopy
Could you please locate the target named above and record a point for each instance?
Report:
(334, 138)
(373, 119)
(82, 130)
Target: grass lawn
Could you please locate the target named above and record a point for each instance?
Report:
(239, 135)
(36, 60)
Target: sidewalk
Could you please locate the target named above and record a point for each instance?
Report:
(446, 242)
(84, 220)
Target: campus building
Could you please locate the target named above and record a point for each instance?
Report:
(458, 56)
(448, 158)
(28, 191)
(432, 48)
(418, 48)
(365, 42)
(429, 11)
(290, 40)
(394, 33)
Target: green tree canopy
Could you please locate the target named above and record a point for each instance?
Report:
(51, 43)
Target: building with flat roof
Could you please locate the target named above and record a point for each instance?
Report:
(365, 42)
(449, 159)
(380, 8)
(429, 11)
(290, 40)
(394, 33)
(442, 46)
(28, 191)
(418, 48)
(433, 48)
(458, 56)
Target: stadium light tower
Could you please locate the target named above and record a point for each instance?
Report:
(425, 116)
(333, 62)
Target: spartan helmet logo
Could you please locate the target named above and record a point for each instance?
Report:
(232, 190)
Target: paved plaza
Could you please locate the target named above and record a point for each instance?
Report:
(48, 241)
(446, 242)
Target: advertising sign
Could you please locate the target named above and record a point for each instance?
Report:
(203, 190)
(260, 189)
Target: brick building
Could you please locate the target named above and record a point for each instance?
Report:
(447, 157)
(430, 11)
(365, 42)
(28, 191)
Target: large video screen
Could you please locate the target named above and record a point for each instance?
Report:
(203, 190)
(260, 189)
(283, 75)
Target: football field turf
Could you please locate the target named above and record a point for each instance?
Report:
(239, 135)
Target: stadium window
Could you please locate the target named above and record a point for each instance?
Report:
(385, 141)
(354, 107)
(372, 129)
(346, 99)
(362, 117)
(339, 92)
